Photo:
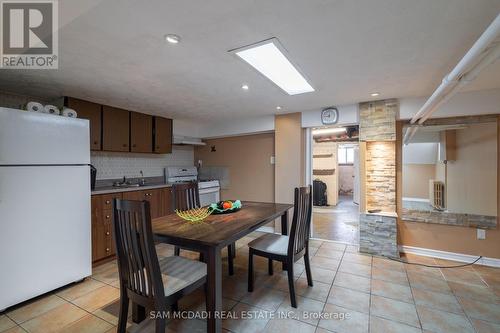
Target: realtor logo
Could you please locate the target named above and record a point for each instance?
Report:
(29, 34)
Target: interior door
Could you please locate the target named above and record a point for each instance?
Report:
(355, 188)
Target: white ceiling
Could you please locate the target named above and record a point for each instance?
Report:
(113, 52)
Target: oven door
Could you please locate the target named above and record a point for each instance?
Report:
(209, 195)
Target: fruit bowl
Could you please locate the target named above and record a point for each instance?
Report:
(225, 207)
(195, 215)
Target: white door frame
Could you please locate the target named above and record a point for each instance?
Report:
(308, 168)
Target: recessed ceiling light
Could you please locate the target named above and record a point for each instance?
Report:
(244, 87)
(172, 39)
(323, 131)
(268, 57)
(375, 94)
(278, 108)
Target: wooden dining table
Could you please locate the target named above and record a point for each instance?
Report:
(209, 237)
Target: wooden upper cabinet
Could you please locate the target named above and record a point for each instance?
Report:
(162, 135)
(115, 129)
(141, 133)
(92, 112)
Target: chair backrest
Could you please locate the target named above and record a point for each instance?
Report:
(138, 265)
(301, 223)
(186, 196)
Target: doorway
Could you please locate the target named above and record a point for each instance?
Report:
(335, 178)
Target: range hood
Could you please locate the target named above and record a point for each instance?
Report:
(187, 140)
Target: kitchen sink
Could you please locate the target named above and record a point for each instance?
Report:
(121, 185)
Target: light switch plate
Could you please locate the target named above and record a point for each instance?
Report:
(273, 160)
(481, 234)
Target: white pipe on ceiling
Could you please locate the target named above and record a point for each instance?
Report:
(485, 51)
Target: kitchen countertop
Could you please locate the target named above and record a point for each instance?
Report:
(111, 189)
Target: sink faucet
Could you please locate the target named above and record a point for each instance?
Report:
(142, 181)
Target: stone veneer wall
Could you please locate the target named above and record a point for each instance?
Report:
(377, 120)
(381, 176)
(457, 219)
(378, 235)
(377, 128)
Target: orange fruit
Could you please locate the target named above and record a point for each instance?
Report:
(227, 205)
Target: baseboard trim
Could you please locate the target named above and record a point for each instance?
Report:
(486, 261)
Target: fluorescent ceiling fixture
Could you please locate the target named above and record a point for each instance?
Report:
(375, 94)
(324, 131)
(244, 87)
(269, 59)
(278, 108)
(172, 39)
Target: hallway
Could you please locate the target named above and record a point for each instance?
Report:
(338, 223)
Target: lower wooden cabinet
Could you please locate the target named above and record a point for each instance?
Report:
(166, 201)
(103, 244)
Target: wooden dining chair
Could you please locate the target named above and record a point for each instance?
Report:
(156, 284)
(287, 249)
(187, 196)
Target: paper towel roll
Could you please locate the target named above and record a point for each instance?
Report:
(51, 109)
(69, 113)
(34, 107)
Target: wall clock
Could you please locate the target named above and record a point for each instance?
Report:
(329, 116)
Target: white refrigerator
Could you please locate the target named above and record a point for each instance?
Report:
(45, 228)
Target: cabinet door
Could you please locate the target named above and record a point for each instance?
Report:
(134, 195)
(163, 135)
(154, 198)
(166, 201)
(97, 234)
(92, 112)
(115, 129)
(141, 133)
(103, 244)
(99, 242)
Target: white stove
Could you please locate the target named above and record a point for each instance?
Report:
(209, 189)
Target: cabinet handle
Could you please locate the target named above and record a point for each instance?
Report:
(125, 145)
(107, 233)
(107, 249)
(157, 147)
(95, 142)
(107, 217)
(134, 145)
(108, 202)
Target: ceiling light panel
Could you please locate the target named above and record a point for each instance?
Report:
(269, 58)
(324, 131)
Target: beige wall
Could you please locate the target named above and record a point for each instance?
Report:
(289, 150)
(471, 178)
(331, 181)
(446, 237)
(346, 177)
(290, 158)
(416, 180)
(247, 157)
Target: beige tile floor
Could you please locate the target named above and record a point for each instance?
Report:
(373, 295)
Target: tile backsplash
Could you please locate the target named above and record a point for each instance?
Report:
(116, 165)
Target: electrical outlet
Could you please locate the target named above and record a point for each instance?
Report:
(481, 234)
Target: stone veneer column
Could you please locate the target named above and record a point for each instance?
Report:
(377, 133)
